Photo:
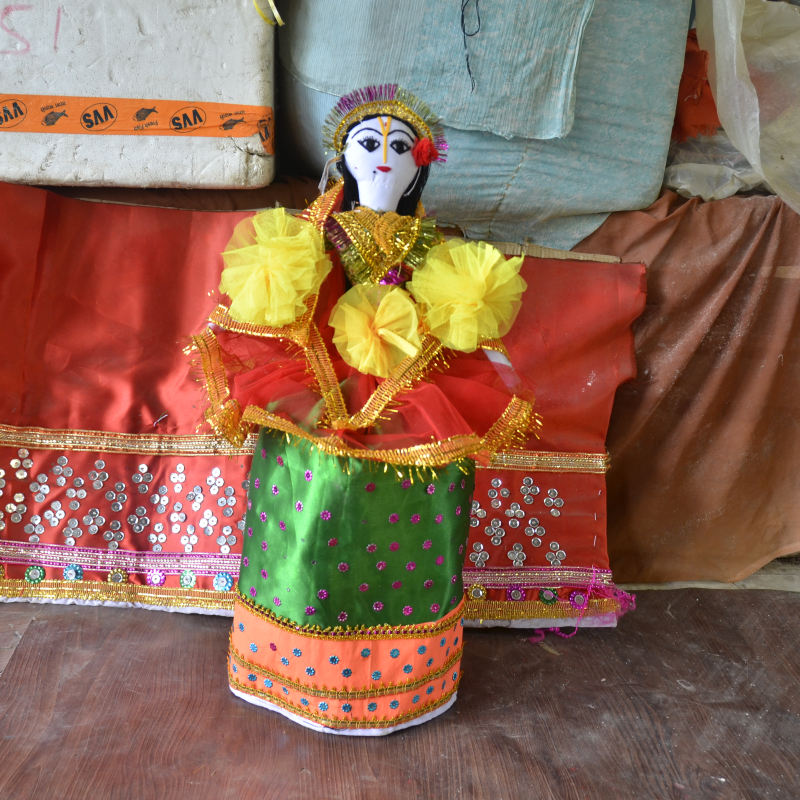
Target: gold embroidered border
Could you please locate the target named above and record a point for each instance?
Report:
(418, 631)
(117, 592)
(297, 332)
(537, 578)
(544, 461)
(336, 721)
(513, 426)
(535, 609)
(127, 443)
(319, 211)
(344, 694)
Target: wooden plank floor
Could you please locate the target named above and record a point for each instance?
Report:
(695, 695)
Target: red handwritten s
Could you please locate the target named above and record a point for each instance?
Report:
(27, 45)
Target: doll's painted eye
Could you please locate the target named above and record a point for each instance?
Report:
(369, 143)
(400, 146)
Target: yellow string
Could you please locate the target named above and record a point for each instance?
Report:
(265, 17)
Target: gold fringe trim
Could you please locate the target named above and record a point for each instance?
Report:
(117, 592)
(494, 344)
(146, 444)
(535, 609)
(346, 694)
(418, 631)
(297, 332)
(319, 211)
(544, 461)
(336, 721)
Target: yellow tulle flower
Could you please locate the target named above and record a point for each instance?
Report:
(273, 263)
(375, 328)
(468, 292)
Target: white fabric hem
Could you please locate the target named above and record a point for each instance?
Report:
(66, 601)
(315, 726)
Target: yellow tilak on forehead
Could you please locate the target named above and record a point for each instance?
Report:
(385, 131)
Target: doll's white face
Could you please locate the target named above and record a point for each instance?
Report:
(378, 154)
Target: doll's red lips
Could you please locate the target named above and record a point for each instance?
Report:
(385, 169)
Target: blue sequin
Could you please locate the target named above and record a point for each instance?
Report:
(394, 704)
(284, 661)
(394, 653)
(235, 669)
(455, 675)
(254, 647)
(444, 683)
(415, 698)
(407, 668)
(334, 659)
(421, 649)
(309, 670)
(365, 652)
(347, 708)
(462, 622)
(241, 626)
(297, 653)
(251, 677)
(376, 676)
(323, 706)
(429, 662)
(285, 690)
(372, 707)
(304, 702)
(347, 672)
(268, 683)
(455, 641)
(442, 643)
(429, 690)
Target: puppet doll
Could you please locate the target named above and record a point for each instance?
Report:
(367, 350)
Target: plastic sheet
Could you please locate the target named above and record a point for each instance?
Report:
(710, 167)
(754, 72)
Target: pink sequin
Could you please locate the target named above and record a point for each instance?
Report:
(428, 584)
(246, 561)
(454, 579)
(333, 542)
(264, 546)
(452, 487)
(439, 519)
(326, 515)
(408, 611)
(257, 483)
(264, 574)
(263, 516)
(249, 531)
(343, 616)
(394, 546)
(282, 525)
(431, 488)
(310, 611)
(377, 605)
(276, 600)
(426, 545)
(394, 518)
(463, 484)
(371, 548)
(406, 484)
(440, 560)
(411, 566)
(280, 461)
(397, 584)
(370, 487)
(322, 594)
(461, 549)
(343, 566)
(274, 489)
(249, 504)
(309, 474)
(458, 511)
(364, 587)
(253, 591)
(298, 505)
(263, 454)
(435, 608)
(414, 519)
(381, 565)
(272, 646)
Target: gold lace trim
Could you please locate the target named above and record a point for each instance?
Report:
(544, 461)
(345, 694)
(538, 578)
(535, 609)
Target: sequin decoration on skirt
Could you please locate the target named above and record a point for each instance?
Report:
(348, 617)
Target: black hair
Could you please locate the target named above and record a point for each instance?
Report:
(407, 206)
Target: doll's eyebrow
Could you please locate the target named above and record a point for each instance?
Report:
(378, 133)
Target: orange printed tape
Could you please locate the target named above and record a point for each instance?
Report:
(31, 113)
